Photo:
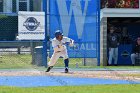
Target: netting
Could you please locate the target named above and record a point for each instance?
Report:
(26, 53)
(78, 21)
(13, 52)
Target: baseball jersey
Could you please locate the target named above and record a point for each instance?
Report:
(113, 40)
(61, 45)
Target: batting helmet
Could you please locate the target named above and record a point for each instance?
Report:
(57, 33)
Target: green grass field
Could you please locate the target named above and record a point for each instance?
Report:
(3, 16)
(14, 61)
(75, 89)
(24, 62)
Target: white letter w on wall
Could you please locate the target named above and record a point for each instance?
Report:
(76, 10)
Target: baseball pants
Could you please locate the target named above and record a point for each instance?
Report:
(56, 56)
(113, 53)
(133, 57)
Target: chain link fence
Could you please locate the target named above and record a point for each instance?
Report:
(24, 54)
(74, 53)
(13, 6)
(15, 53)
(18, 54)
(15, 57)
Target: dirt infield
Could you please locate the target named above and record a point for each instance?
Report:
(121, 75)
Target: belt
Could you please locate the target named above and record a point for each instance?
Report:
(57, 51)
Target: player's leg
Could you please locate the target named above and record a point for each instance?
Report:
(115, 56)
(133, 57)
(110, 56)
(49, 68)
(66, 60)
(52, 61)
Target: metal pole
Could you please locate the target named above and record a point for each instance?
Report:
(28, 5)
(17, 5)
(45, 40)
(32, 48)
(139, 4)
(18, 49)
(98, 2)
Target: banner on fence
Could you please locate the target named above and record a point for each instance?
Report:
(31, 25)
(78, 19)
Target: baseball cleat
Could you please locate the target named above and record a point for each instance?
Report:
(66, 70)
(49, 68)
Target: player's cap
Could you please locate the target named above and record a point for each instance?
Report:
(58, 32)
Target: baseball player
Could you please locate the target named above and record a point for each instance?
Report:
(60, 50)
(135, 51)
(113, 43)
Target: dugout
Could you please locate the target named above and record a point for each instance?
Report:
(127, 22)
(128, 29)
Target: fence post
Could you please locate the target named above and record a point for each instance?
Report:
(98, 32)
(32, 46)
(45, 40)
(19, 50)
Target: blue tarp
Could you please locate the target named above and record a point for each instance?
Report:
(37, 81)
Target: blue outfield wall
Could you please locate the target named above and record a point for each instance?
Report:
(78, 19)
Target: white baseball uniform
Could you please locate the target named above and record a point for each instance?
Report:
(60, 49)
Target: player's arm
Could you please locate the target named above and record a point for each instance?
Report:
(71, 41)
(68, 41)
